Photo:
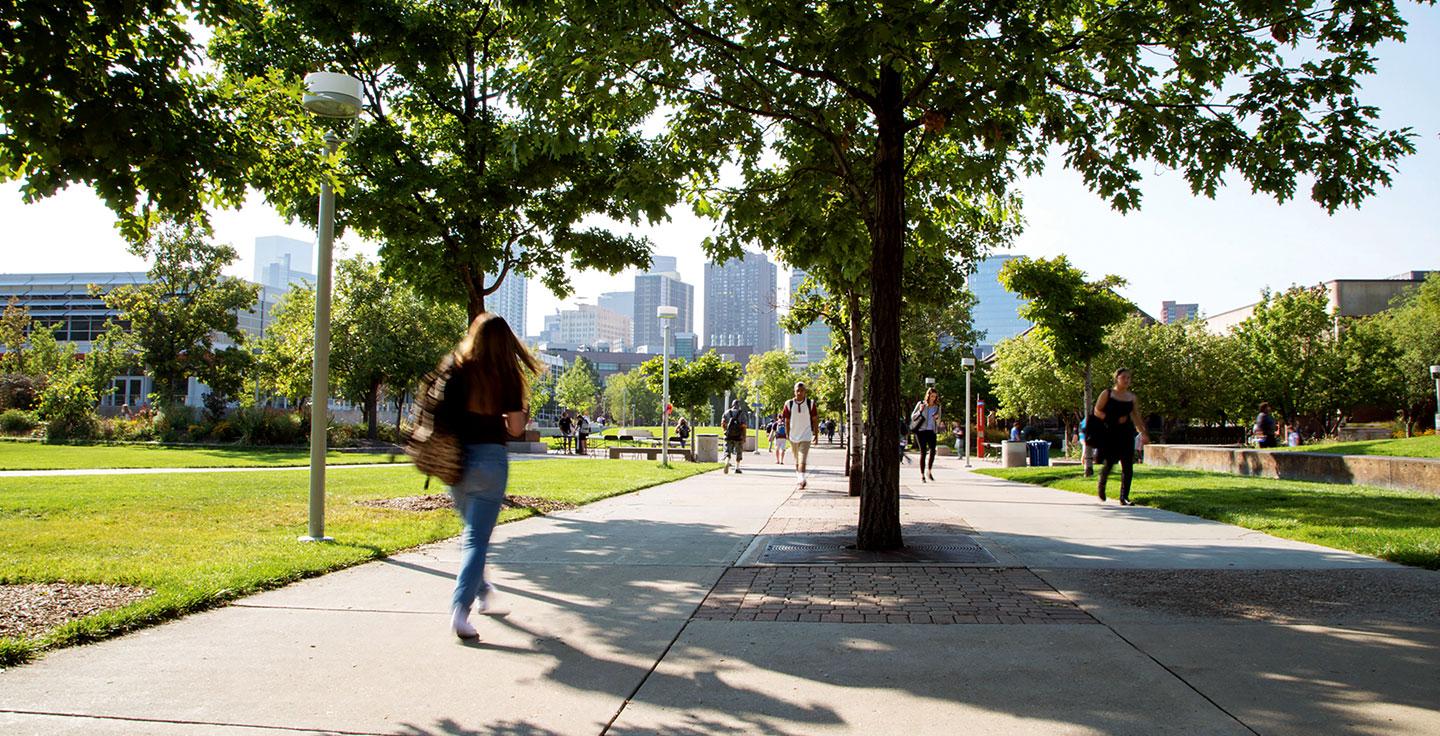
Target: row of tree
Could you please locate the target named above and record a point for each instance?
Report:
(1314, 368)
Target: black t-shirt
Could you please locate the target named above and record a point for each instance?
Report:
(474, 428)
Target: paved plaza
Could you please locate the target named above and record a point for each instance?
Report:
(729, 605)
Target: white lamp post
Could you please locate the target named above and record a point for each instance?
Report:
(327, 95)
(969, 365)
(758, 406)
(1435, 373)
(667, 315)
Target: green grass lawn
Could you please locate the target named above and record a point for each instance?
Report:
(199, 539)
(1392, 525)
(1426, 446)
(40, 456)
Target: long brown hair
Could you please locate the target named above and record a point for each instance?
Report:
(496, 362)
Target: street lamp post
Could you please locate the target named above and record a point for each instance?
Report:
(969, 365)
(327, 95)
(666, 315)
(1435, 373)
(758, 406)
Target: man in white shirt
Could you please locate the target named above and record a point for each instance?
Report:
(801, 417)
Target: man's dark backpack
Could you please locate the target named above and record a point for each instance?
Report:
(437, 452)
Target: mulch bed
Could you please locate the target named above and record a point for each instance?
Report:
(30, 609)
(434, 501)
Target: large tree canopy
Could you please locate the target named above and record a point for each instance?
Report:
(946, 104)
(112, 95)
(462, 170)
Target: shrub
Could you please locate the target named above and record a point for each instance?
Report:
(260, 426)
(19, 391)
(224, 431)
(174, 425)
(136, 429)
(17, 421)
(67, 404)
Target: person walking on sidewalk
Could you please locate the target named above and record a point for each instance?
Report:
(777, 439)
(801, 417)
(582, 433)
(733, 424)
(925, 418)
(484, 406)
(1119, 409)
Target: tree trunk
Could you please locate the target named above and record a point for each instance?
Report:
(372, 412)
(1089, 388)
(879, 527)
(475, 294)
(399, 410)
(855, 371)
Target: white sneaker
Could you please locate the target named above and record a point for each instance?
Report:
(460, 624)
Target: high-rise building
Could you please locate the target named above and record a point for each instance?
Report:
(590, 326)
(740, 303)
(661, 289)
(282, 262)
(508, 301)
(810, 345)
(997, 309)
(620, 302)
(684, 345)
(663, 264)
(1172, 312)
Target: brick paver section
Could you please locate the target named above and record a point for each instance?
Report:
(910, 594)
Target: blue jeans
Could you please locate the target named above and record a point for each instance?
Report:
(478, 497)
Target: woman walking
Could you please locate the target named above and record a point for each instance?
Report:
(484, 407)
(1119, 409)
(925, 417)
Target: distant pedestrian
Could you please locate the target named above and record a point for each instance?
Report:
(582, 433)
(1264, 429)
(925, 420)
(1087, 446)
(777, 439)
(800, 417)
(682, 431)
(904, 439)
(484, 406)
(1015, 431)
(1119, 409)
(734, 426)
(830, 431)
(567, 432)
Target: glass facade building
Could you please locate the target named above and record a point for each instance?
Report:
(740, 297)
(997, 309)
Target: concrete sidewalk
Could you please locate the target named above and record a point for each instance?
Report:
(630, 616)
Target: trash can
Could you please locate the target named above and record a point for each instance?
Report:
(1039, 453)
(1012, 454)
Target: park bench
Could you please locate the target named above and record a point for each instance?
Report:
(651, 452)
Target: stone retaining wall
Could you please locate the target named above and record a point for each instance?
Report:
(1400, 473)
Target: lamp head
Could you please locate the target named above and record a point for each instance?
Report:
(332, 95)
(1435, 371)
(667, 312)
(967, 363)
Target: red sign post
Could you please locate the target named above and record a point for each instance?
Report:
(979, 428)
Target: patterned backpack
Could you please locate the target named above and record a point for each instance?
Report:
(436, 452)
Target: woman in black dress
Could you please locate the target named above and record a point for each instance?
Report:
(1119, 409)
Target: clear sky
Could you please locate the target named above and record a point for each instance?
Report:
(1219, 253)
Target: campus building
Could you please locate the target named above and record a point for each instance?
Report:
(661, 286)
(740, 299)
(1348, 298)
(810, 345)
(997, 310)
